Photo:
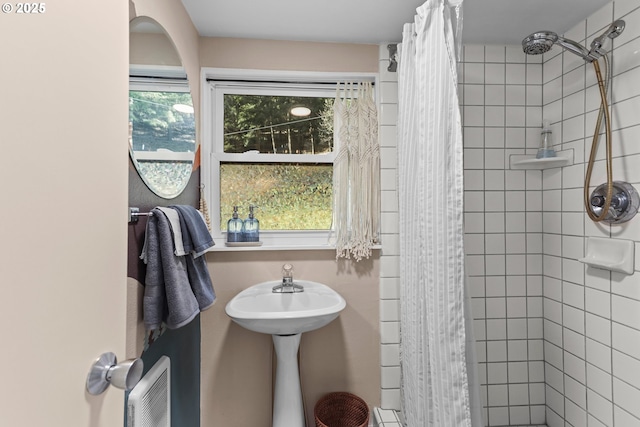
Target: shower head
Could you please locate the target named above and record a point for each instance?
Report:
(542, 41)
(539, 43)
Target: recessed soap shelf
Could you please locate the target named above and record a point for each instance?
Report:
(610, 254)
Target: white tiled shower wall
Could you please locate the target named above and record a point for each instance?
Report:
(591, 316)
(557, 341)
(501, 102)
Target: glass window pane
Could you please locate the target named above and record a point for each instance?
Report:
(270, 124)
(289, 196)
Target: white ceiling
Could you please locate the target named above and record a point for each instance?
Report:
(379, 21)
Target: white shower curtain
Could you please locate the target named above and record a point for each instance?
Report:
(435, 376)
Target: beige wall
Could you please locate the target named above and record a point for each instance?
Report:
(237, 365)
(152, 49)
(63, 131)
(287, 55)
(236, 389)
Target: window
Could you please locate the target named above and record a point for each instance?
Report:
(269, 143)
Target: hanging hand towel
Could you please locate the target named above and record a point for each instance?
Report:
(197, 240)
(174, 221)
(168, 295)
(195, 234)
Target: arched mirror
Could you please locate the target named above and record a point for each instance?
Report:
(162, 131)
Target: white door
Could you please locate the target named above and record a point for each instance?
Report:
(63, 176)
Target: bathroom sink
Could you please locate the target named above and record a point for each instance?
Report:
(259, 309)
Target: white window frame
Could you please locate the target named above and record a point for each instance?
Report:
(240, 81)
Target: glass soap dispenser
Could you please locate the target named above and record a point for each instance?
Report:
(546, 144)
(234, 227)
(251, 227)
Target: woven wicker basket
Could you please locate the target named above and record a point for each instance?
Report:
(341, 409)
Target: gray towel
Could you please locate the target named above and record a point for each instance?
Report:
(196, 240)
(195, 234)
(168, 294)
(174, 221)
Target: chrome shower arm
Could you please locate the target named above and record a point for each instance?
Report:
(612, 32)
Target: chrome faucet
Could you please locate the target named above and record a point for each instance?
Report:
(287, 286)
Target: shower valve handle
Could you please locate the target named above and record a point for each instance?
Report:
(597, 201)
(618, 201)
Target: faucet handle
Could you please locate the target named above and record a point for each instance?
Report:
(287, 271)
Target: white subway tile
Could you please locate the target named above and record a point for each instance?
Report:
(497, 373)
(515, 243)
(573, 80)
(390, 377)
(534, 95)
(627, 397)
(624, 418)
(494, 94)
(473, 138)
(473, 53)
(575, 367)
(519, 415)
(573, 342)
(494, 73)
(473, 95)
(626, 368)
(553, 359)
(514, 54)
(496, 351)
(625, 311)
(494, 116)
(622, 7)
(555, 401)
(575, 392)
(495, 285)
(598, 328)
(552, 93)
(496, 329)
(516, 329)
(573, 318)
(599, 355)
(532, 372)
(494, 53)
(575, 415)
(494, 222)
(517, 350)
(598, 302)
(552, 69)
(473, 73)
(573, 105)
(515, 94)
(599, 381)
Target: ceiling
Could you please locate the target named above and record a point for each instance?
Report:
(379, 21)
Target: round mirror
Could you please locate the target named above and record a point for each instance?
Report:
(162, 131)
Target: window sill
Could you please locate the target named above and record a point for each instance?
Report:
(221, 247)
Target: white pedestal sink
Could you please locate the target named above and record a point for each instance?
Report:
(286, 316)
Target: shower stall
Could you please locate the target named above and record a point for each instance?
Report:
(556, 339)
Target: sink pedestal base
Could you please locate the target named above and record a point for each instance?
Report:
(288, 410)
